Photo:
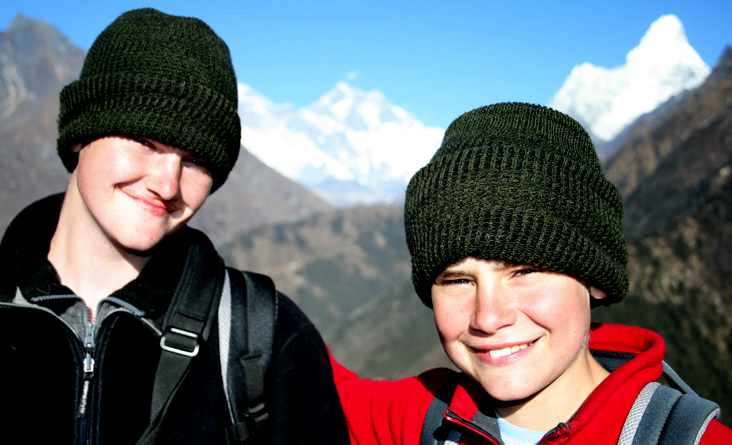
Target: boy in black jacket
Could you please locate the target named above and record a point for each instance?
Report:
(148, 131)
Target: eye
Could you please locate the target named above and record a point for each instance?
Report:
(446, 281)
(142, 141)
(527, 270)
(198, 162)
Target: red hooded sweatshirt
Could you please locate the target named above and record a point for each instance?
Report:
(393, 412)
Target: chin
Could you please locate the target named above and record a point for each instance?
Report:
(141, 248)
(509, 396)
(143, 251)
(512, 386)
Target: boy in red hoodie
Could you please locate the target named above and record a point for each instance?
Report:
(515, 235)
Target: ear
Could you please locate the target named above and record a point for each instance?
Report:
(596, 293)
(76, 148)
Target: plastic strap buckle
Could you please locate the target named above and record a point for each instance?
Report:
(180, 343)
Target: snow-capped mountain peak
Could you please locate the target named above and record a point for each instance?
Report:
(606, 100)
(355, 147)
(350, 146)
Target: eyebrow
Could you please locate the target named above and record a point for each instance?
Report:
(459, 270)
(450, 274)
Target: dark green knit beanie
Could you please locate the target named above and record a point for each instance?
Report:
(157, 76)
(518, 183)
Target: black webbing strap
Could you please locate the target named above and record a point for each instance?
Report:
(187, 325)
(254, 302)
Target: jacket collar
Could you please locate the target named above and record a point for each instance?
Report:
(24, 263)
(473, 409)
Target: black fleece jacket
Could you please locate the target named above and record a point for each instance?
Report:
(47, 397)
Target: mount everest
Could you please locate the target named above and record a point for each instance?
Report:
(350, 146)
(354, 147)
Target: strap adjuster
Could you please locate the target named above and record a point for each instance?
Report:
(180, 343)
(240, 432)
(257, 415)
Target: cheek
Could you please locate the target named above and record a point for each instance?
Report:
(565, 312)
(104, 164)
(195, 187)
(90, 174)
(547, 310)
(451, 319)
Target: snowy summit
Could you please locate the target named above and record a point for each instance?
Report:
(355, 147)
(606, 100)
(350, 146)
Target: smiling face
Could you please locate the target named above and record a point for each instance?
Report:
(518, 331)
(136, 192)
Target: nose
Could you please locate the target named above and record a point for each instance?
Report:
(164, 176)
(494, 309)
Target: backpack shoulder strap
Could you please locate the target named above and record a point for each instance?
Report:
(186, 327)
(689, 419)
(247, 317)
(665, 415)
(432, 434)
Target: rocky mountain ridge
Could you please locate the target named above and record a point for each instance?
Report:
(672, 151)
(331, 263)
(673, 169)
(35, 62)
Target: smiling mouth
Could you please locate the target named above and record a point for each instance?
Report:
(497, 353)
(158, 206)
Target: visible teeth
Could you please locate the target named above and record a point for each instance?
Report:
(496, 353)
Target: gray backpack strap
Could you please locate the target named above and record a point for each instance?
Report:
(664, 415)
(247, 317)
(630, 427)
(674, 380)
(688, 420)
(432, 433)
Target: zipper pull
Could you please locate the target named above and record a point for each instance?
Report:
(89, 349)
(88, 366)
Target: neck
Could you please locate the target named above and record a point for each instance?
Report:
(85, 260)
(559, 401)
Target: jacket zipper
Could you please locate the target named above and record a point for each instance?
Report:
(89, 363)
(88, 347)
(457, 420)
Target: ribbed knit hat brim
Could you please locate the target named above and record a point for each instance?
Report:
(157, 76)
(522, 184)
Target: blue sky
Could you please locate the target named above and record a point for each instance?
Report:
(436, 59)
